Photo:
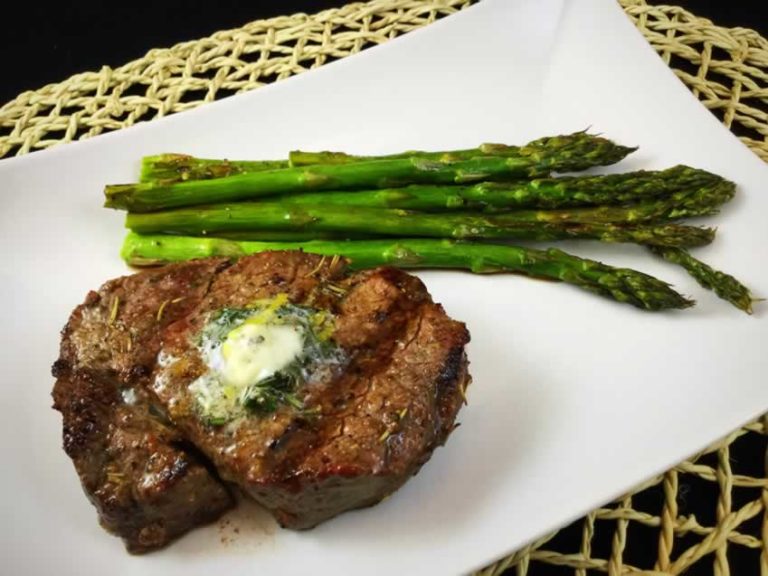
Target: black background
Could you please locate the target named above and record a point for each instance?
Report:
(47, 43)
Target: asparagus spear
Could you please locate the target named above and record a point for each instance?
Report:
(292, 236)
(181, 167)
(577, 151)
(549, 193)
(722, 284)
(679, 205)
(621, 284)
(260, 217)
(173, 167)
(704, 201)
(574, 152)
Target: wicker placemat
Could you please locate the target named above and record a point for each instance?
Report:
(726, 68)
(653, 530)
(189, 74)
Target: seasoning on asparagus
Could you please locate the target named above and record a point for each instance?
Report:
(171, 167)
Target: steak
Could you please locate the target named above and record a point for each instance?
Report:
(360, 422)
(366, 428)
(147, 481)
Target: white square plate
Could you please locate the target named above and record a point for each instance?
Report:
(575, 398)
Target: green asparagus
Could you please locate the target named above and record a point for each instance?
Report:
(679, 205)
(621, 284)
(683, 204)
(562, 153)
(722, 284)
(292, 236)
(260, 217)
(181, 167)
(577, 151)
(679, 183)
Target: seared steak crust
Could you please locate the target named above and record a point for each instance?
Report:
(146, 483)
(364, 430)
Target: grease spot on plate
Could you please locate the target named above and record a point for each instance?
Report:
(247, 527)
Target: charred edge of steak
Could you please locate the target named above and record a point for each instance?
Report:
(451, 388)
(146, 484)
(147, 487)
(345, 491)
(182, 493)
(86, 401)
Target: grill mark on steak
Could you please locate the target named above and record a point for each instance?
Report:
(297, 439)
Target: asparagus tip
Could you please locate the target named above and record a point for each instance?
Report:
(724, 285)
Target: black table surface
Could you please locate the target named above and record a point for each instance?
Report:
(50, 42)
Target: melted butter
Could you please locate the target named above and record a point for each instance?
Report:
(254, 351)
(129, 396)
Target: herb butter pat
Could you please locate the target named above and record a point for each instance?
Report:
(252, 352)
(260, 357)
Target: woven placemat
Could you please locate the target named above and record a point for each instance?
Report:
(189, 74)
(653, 530)
(726, 68)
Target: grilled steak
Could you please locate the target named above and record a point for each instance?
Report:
(366, 382)
(146, 481)
(364, 428)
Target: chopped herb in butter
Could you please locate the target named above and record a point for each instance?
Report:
(258, 358)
